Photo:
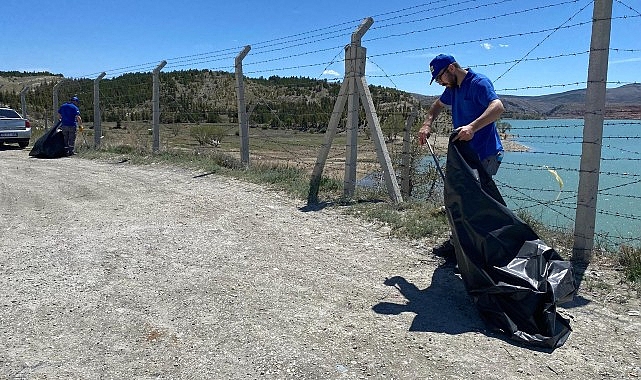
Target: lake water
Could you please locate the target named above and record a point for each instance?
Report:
(544, 180)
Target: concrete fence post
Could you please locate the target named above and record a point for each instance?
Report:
(97, 122)
(243, 123)
(355, 55)
(592, 132)
(406, 161)
(155, 105)
(23, 101)
(354, 90)
(54, 110)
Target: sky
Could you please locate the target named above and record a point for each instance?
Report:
(524, 47)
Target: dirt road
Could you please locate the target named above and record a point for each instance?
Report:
(113, 271)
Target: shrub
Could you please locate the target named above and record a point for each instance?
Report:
(207, 134)
(630, 259)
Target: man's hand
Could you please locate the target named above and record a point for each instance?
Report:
(424, 134)
(464, 133)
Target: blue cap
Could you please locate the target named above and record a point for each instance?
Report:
(439, 63)
(74, 99)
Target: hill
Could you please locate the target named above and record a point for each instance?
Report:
(203, 96)
(623, 102)
(291, 102)
(16, 81)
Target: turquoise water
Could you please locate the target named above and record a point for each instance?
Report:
(528, 182)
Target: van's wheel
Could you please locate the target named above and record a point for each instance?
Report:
(23, 144)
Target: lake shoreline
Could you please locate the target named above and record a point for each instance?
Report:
(511, 145)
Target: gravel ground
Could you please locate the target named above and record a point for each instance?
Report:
(115, 271)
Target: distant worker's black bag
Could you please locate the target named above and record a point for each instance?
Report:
(515, 280)
(49, 145)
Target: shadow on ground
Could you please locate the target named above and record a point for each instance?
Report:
(442, 307)
(445, 307)
(10, 147)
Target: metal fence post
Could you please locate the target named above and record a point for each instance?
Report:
(155, 104)
(243, 123)
(592, 132)
(97, 122)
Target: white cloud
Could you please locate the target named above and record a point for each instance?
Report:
(331, 73)
(503, 45)
(628, 60)
(486, 45)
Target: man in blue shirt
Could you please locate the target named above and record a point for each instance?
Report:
(70, 119)
(475, 109)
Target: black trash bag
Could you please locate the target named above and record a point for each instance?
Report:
(514, 279)
(50, 145)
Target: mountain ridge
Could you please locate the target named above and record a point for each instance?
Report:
(197, 89)
(622, 102)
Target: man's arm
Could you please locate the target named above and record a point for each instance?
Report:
(426, 130)
(492, 113)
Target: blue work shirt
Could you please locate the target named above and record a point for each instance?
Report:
(69, 111)
(468, 102)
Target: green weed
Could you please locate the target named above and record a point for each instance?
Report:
(413, 220)
(630, 259)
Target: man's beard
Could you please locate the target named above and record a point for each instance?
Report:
(449, 84)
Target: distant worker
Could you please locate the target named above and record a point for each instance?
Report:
(475, 109)
(70, 119)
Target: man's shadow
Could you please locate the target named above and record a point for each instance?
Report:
(443, 307)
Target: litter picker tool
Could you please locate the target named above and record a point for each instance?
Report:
(81, 130)
(438, 166)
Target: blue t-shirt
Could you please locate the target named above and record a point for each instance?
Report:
(69, 111)
(468, 102)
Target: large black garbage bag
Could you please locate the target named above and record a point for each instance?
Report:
(49, 145)
(515, 280)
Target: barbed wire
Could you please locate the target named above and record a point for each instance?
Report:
(536, 59)
(578, 125)
(190, 59)
(536, 202)
(629, 7)
(499, 37)
(543, 40)
(561, 137)
(436, 3)
(523, 166)
(335, 31)
(462, 23)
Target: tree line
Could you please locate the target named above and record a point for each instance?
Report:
(206, 96)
